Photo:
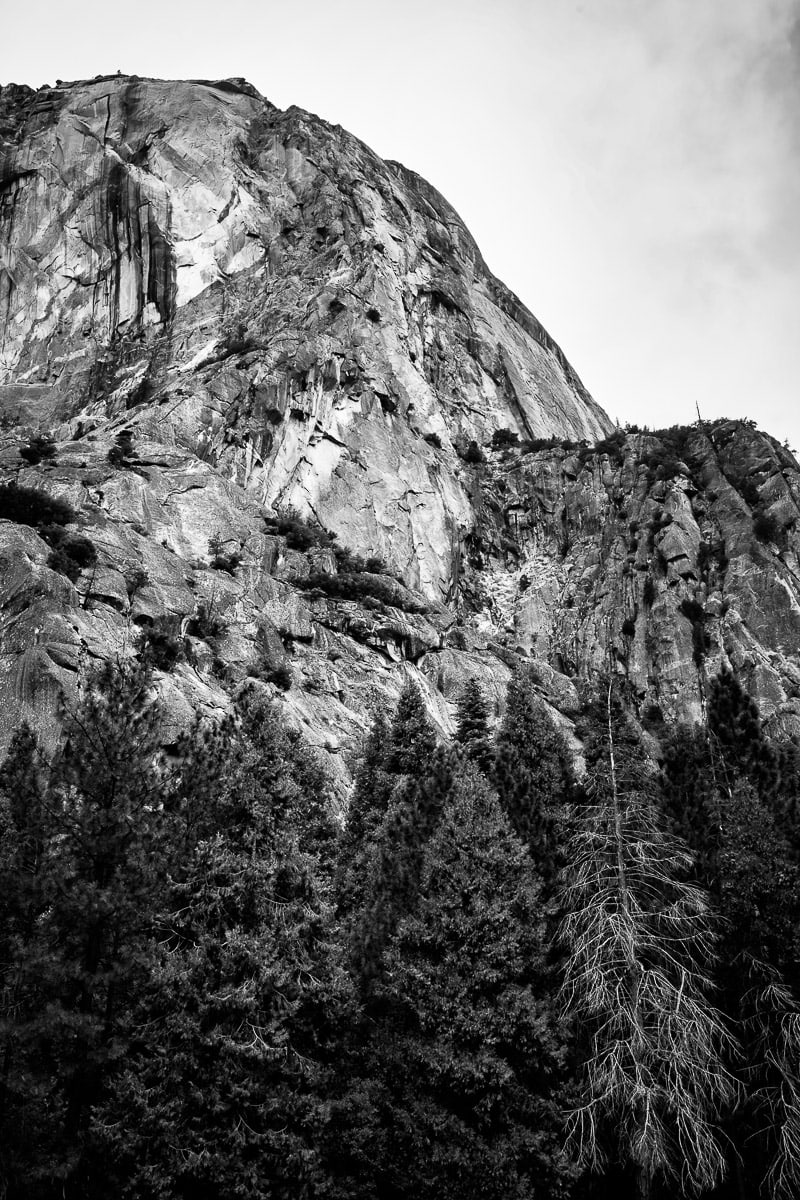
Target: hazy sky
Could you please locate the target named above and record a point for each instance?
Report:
(631, 168)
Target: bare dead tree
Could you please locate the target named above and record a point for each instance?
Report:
(640, 948)
(771, 1017)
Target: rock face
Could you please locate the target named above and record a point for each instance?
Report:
(257, 316)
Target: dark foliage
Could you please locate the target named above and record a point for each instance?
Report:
(161, 644)
(221, 558)
(30, 506)
(460, 1073)
(472, 726)
(503, 439)
(39, 449)
(299, 534)
(205, 990)
(473, 454)
(70, 553)
(531, 774)
(121, 452)
(280, 675)
(613, 446)
(206, 624)
(359, 585)
(724, 789)
(766, 526)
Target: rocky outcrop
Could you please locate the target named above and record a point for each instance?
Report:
(252, 314)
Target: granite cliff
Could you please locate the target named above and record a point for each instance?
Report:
(244, 332)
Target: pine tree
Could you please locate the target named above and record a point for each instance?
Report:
(472, 725)
(98, 885)
(692, 793)
(640, 945)
(465, 1063)
(395, 863)
(369, 801)
(412, 739)
(220, 1096)
(531, 774)
(24, 828)
(23, 842)
(710, 785)
(735, 723)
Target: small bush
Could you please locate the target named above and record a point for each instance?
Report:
(434, 440)
(30, 506)
(530, 445)
(161, 644)
(749, 491)
(299, 534)
(281, 676)
(70, 552)
(39, 449)
(629, 627)
(222, 559)
(613, 446)
(473, 454)
(663, 465)
(767, 527)
(358, 585)
(652, 715)
(122, 449)
(504, 438)
(135, 579)
(350, 563)
(205, 624)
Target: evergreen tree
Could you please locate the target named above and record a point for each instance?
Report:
(735, 724)
(748, 864)
(97, 887)
(23, 841)
(220, 1096)
(472, 725)
(369, 801)
(692, 794)
(531, 774)
(640, 945)
(395, 862)
(412, 739)
(463, 1074)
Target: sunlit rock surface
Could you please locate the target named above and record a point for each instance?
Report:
(283, 321)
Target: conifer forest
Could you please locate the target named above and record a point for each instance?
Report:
(494, 979)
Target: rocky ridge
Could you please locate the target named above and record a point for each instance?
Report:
(245, 332)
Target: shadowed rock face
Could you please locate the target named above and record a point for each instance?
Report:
(284, 321)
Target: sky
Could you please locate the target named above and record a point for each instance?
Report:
(630, 168)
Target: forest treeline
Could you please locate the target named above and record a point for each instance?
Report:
(496, 981)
